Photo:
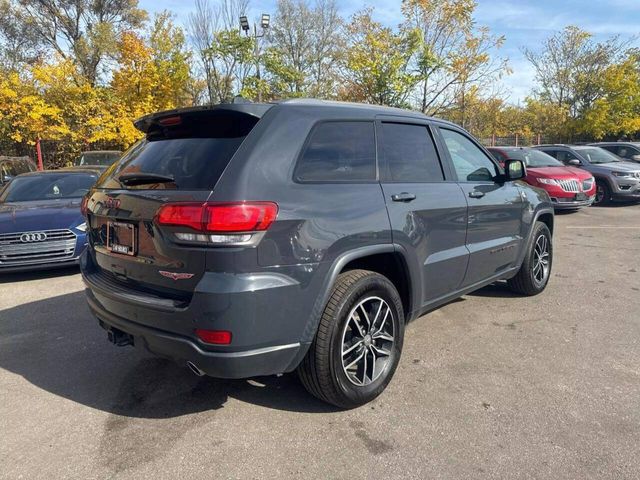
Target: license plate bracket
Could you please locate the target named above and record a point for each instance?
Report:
(581, 196)
(121, 238)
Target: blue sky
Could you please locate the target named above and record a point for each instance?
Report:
(523, 23)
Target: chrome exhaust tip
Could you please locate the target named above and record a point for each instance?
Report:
(195, 369)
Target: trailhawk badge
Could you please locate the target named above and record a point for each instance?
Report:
(176, 276)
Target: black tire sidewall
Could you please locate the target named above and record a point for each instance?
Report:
(606, 193)
(373, 285)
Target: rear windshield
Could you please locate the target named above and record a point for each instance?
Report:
(188, 155)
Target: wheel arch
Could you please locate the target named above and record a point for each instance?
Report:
(364, 257)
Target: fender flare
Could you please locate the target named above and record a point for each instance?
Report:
(536, 218)
(336, 267)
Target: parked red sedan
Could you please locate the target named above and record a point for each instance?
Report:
(568, 187)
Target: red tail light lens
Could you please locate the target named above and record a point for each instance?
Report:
(181, 215)
(222, 217)
(215, 337)
(244, 217)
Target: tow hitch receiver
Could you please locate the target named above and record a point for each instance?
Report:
(119, 338)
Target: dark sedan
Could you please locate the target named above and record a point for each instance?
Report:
(40, 221)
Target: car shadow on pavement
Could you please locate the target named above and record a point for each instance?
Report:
(495, 290)
(16, 277)
(57, 345)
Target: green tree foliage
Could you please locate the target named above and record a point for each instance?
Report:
(80, 71)
(306, 45)
(84, 31)
(377, 62)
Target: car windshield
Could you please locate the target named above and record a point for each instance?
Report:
(597, 155)
(97, 158)
(533, 158)
(48, 186)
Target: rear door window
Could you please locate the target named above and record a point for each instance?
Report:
(338, 151)
(410, 154)
(193, 152)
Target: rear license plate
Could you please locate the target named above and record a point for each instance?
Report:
(121, 238)
(581, 197)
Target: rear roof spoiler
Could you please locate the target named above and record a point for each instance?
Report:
(256, 110)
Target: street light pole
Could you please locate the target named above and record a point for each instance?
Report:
(264, 24)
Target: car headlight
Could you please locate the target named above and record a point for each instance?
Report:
(548, 181)
(82, 227)
(624, 174)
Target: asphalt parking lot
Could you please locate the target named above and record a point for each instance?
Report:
(490, 386)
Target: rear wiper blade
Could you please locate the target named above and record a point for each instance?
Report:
(144, 178)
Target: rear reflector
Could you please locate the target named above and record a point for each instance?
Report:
(215, 337)
(219, 217)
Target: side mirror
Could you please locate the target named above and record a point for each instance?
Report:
(574, 162)
(5, 178)
(635, 158)
(514, 170)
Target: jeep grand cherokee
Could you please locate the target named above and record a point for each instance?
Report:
(256, 239)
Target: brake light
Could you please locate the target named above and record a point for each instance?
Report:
(182, 216)
(215, 337)
(170, 121)
(219, 217)
(244, 217)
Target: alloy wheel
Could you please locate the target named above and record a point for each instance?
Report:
(541, 258)
(367, 341)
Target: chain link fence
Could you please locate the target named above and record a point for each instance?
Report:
(515, 140)
(55, 154)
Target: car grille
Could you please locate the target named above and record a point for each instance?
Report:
(571, 186)
(32, 248)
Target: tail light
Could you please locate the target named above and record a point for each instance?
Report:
(218, 223)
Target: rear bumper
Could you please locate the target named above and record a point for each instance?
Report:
(243, 364)
(261, 310)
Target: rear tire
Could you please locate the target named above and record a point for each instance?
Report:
(533, 276)
(603, 194)
(364, 320)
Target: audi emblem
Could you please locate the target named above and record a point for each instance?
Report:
(33, 237)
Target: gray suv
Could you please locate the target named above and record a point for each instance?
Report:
(257, 239)
(616, 180)
(629, 151)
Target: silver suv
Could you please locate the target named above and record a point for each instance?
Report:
(616, 180)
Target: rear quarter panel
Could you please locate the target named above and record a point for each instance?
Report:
(317, 223)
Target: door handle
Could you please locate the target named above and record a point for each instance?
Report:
(476, 194)
(403, 197)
